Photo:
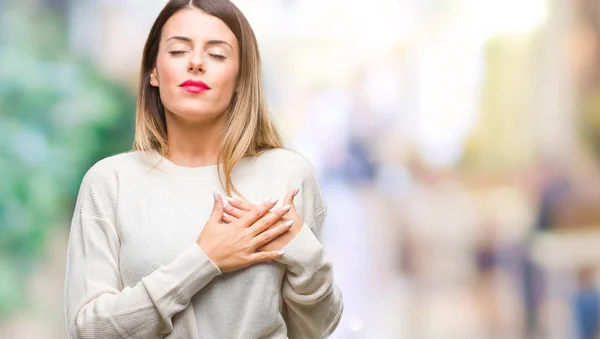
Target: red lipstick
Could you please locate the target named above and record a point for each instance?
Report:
(194, 86)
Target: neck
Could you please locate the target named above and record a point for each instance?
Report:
(194, 144)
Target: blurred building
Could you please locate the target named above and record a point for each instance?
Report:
(457, 144)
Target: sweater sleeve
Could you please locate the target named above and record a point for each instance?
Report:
(312, 301)
(97, 305)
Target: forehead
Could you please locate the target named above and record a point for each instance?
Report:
(198, 26)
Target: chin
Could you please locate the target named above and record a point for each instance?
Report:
(197, 114)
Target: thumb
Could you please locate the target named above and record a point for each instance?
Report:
(217, 211)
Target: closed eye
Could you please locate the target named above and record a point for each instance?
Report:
(177, 52)
(218, 56)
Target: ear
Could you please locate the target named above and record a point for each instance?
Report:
(154, 78)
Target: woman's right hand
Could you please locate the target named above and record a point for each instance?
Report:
(233, 246)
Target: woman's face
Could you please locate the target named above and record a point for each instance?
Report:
(196, 66)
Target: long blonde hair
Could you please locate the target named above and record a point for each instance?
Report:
(248, 131)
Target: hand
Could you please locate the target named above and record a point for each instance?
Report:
(237, 209)
(234, 245)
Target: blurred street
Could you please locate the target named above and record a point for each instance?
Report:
(457, 144)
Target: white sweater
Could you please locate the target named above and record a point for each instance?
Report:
(134, 269)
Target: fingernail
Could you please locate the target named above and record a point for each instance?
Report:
(296, 191)
(230, 199)
(215, 196)
(273, 201)
(286, 208)
(280, 252)
(288, 223)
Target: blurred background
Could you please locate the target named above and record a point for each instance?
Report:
(457, 143)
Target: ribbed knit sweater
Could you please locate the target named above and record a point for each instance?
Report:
(134, 269)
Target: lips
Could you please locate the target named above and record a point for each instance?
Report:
(194, 86)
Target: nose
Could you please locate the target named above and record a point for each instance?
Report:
(196, 64)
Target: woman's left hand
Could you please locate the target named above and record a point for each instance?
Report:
(236, 209)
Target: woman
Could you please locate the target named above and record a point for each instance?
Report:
(151, 253)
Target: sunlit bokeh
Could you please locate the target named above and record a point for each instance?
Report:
(457, 144)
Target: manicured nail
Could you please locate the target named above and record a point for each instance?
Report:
(215, 196)
(280, 252)
(296, 191)
(230, 199)
(273, 201)
(288, 223)
(286, 208)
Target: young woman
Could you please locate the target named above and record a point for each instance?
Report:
(154, 250)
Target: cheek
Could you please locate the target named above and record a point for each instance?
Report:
(168, 80)
(167, 71)
(225, 82)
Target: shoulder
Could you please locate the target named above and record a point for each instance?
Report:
(104, 176)
(293, 169)
(115, 166)
(280, 168)
(287, 162)
(98, 195)
(296, 171)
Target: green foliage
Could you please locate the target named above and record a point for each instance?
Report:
(58, 115)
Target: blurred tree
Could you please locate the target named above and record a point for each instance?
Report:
(58, 115)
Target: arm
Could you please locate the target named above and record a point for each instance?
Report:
(313, 303)
(96, 303)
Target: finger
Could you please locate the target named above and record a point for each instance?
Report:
(268, 220)
(228, 218)
(233, 211)
(289, 198)
(271, 234)
(242, 205)
(257, 212)
(217, 211)
(265, 256)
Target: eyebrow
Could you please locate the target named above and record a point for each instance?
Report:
(209, 42)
